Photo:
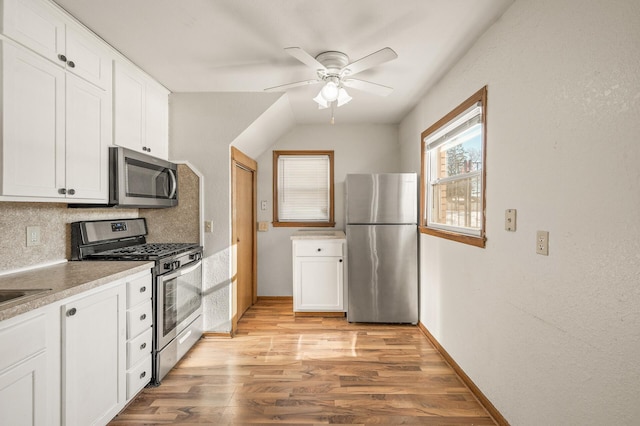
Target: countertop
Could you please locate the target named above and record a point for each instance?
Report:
(64, 280)
(318, 235)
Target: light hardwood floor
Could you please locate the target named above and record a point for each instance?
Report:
(281, 369)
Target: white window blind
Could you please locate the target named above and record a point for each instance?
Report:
(303, 188)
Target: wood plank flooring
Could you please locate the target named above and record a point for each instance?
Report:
(281, 369)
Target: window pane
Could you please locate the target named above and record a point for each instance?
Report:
(458, 202)
(460, 155)
(303, 188)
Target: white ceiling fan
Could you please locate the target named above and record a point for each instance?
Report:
(334, 70)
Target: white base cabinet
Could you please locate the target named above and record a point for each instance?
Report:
(94, 356)
(318, 275)
(72, 362)
(23, 370)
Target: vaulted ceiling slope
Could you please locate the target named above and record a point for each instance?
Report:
(238, 45)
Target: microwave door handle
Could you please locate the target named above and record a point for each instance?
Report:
(174, 184)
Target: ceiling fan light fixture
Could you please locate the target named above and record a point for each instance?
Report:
(343, 97)
(329, 91)
(321, 101)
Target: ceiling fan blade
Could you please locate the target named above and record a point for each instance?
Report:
(376, 58)
(367, 86)
(305, 58)
(284, 87)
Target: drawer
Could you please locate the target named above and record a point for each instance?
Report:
(138, 290)
(318, 248)
(139, 347)
(138, 319)
(138, 377)
(20, 338)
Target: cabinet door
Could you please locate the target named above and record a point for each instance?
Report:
(93, 369)
(33, 130)
(22, 393)
(318, 284)
(36, 25)
(129, 103)
(157, 121)
(87, 140)
(87, 58)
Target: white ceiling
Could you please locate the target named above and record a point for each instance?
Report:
(238, 45)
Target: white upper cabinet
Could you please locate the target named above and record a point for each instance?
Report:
(57, 111)
(141, 120)
(45, 30)
(56, 133)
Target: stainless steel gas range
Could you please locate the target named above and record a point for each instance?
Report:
(177, 279)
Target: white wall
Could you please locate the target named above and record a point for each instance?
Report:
(550, 340)
(202, 126)
(357, 149)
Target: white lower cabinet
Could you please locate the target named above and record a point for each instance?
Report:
(23, 370)
(77, 361)
(318, 275)
(93, 355)
(139, 332)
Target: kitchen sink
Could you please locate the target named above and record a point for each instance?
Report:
(11, 295)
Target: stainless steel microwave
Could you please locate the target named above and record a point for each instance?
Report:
(141, 181)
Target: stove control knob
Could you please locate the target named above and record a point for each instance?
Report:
(168, 266)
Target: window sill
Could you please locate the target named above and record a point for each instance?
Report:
(304, 224)
(453, 236)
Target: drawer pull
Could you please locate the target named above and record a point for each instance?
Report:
(340, 260)
(143, 289)
(319, 249)
(144, 373)
(71, 312)
(144, 345)
(143, 317)
(71, 64)
(62, 58)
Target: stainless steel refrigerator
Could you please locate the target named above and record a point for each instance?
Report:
(382, 247)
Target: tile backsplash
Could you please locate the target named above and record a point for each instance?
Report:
(55, 231)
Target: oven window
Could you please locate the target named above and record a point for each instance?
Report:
(182, 297)
(146, 180)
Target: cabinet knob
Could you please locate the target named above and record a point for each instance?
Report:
(340, 260)
(71, 312)
(144, 345)
(319, 249)
(62, 58)
(144, 373)
(144, 148)
(62, 191)
(71, 64)
(143, 317)
(143, 289)
(71, 191)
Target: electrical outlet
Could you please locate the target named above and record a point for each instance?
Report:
(510, 220)
(33, 236)
(542, 243)
(208, 226)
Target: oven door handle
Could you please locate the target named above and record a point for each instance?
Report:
(180, 272)
(174, 184)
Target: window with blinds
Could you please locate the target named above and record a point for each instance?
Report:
(303, 188)
(454, 173)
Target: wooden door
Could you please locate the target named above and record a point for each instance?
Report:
(244, 181)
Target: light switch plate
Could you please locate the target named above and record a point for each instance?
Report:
(263, 205)
(510, 220)
(263, 226)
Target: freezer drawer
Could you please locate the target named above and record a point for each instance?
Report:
(383, 273)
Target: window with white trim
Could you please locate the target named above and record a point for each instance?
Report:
(303, 188)
(453, 170)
